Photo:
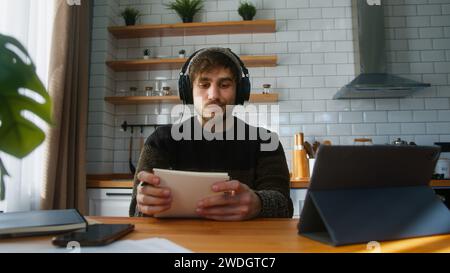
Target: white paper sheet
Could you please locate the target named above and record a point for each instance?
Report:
(152, 245)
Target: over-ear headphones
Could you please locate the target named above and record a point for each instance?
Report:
(242, 88)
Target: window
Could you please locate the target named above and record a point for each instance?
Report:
(30, 22)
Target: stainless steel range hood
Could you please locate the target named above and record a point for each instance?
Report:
(373, 80)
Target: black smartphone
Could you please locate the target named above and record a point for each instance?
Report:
(95, 235)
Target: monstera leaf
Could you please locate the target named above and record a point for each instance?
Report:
(18, 135)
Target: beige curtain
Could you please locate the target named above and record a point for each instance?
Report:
(65, 185)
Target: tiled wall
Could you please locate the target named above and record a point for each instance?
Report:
(315, 53)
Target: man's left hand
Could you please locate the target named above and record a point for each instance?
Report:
(238, 202)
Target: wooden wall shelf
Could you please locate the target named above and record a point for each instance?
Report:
(130, 100)
(189, 29)
(177, 63)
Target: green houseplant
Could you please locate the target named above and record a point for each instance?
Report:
(18, 135)
(247, 11)
(186, 9)
(130, 15)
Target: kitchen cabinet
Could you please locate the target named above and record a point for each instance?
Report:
(109, 202)
(298, 199)
(116, 202)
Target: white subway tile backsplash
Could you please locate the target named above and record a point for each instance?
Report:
(300, 70)
(314, 46)
(338, 105)
(324, 69)
(288, 59)
(425, 116)
(314, 106)
(339, 129)
(442, 67)
(326, 117)
(315, 130)
(420, 44)
(310, 82)
(324, 93)
(387, 104)
(252, 49)
(379, 116)
(334, 35)
(311, 35)
(444, 115)
(336, 58)
(285, 14)
(302, 118)
(400, 116)
(273, 48)
(310, 13)
(436, 79)
(388, 129)
(350, 117)
(413, 128)
(297, 3)
(298, 24)
(301, 94)
(312, 58)
(412, 104)
(437, 103)
(363, 129)
(288, 82)
(438, 128)
(362, 104)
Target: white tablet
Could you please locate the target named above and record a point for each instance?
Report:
(187, 189)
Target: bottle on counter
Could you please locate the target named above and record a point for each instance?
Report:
(300, 163)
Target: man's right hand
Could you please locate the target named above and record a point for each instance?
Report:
(151, 198)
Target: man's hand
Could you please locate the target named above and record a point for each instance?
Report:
(238, 202)
(152, 199)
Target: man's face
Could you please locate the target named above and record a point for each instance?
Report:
(214, 88)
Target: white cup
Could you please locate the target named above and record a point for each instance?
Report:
(312, 161)
(443, 167)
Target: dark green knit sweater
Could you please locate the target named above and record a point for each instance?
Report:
(265, 172)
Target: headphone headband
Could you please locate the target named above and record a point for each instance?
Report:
(225, 51)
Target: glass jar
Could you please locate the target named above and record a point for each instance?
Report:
(133, 91)
(148, 91)
(166, 91)
(267, 88)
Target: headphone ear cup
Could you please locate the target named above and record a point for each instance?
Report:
(184, 86)
(181, 89)
(188, 94)
(244, 90)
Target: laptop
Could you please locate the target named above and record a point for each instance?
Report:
(360, 194)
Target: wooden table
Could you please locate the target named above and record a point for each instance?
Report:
(256, 236)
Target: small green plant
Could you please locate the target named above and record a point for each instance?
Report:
(186, 9)
(130, 15)
(18, 135)
(247, 11)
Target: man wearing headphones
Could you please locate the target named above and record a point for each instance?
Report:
(214, 78)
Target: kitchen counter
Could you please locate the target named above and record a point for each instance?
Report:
(125, 181)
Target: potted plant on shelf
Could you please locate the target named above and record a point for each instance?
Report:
(247, 11)
(182, 53)
(186, 9)
(130, 15)
(18, 135)
(146, 54)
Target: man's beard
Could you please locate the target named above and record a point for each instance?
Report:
(214, 111)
